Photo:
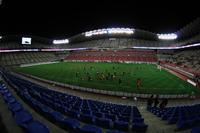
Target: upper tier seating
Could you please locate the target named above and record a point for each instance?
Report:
(115, 56)
(67, 110)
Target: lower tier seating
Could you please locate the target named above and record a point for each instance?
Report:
(68, 112)
(185, 117)
(22, 117)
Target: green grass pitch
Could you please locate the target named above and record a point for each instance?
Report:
(107, 75)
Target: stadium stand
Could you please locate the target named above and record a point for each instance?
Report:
(183, 116)
(22, 117)
(187, 60)
(114, 55)
(55, 106)
(75, 114)
(19, 58)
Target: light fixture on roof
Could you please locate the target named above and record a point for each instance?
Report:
(109, 31)
(63, 41)
(171, 36)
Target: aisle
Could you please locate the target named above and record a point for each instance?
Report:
(156, 125)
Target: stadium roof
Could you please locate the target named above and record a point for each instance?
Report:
(67, 18)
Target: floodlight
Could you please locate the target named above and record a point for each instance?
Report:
(64, 41)
(109, 31)
(171, 36)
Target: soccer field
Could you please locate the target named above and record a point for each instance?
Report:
(108, 76)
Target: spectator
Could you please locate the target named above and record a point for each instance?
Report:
(150, 102)
(164, 103)
(156, 101)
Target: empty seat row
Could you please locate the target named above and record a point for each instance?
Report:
(183, 116)
(22, 117)
(67, 110)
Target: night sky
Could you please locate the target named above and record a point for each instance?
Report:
(66, 18)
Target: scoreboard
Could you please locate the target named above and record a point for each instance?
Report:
(26, 40)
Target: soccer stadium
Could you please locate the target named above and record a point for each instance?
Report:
(105, 80)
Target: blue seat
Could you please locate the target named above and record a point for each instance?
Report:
(138, 119)
(56, 116)
(109, 116)
(86, 118)
(86, 111)
(46, 111)
(165, 117)
(97, 114)
(35, 104)
(9, 99)
(121, 125)
(123, 118)
(36, 127)
(183, 124)
(69, 124)
(73, 113)
(172, 120)
(15, 107)
(8, 94)
(194, 120)
(22, 117)
(90, 129)
(195, 130)
(113, 131)
(139, 127)
(4, 91)
(102, 122)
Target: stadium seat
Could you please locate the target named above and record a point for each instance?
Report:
(36, 127)
(9, 99)
(121, 125)
(109, 116)
(195, 130)
(139, 127)
(51, 105)
(102, 122)
(86, 118)
(113, 131)
(138, 120)
(73, 113)
(56, 116)
(183, 124)
(97, 114)
(90, 129)
(23, 117)
(15, 107)
(172, 120)
(69, 124)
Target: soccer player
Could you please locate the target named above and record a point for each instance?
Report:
(120, 81)
(138, 83)
(77, 74)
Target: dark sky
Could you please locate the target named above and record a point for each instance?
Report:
(56, 18)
